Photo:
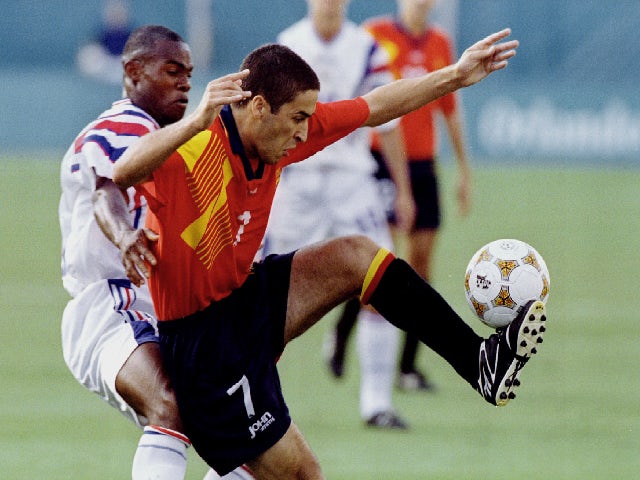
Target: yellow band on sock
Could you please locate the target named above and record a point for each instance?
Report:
(377, 267)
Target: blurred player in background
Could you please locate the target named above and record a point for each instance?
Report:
(109, 333)
(334, 193)
(415, 47)
(99, 58)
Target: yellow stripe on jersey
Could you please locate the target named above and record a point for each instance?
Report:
(208, 166)
(191, 151)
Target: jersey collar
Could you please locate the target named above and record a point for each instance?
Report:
(226, 116)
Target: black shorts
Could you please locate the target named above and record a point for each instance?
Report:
(222, 365)
(424, 185)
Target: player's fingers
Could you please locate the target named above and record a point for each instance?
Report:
(489, 41)
(495, 37)
(151, 235)
(231, 82)
(235, 76)
(132, 273)
(494, 66)
(139, 262)
(229, 78)
(504, 46)
(142, 255)
(502, 56)
(228, 93)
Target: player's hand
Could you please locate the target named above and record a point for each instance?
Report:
(464, 198)
(218, 93)
(405, 211)
(463, 192)
(137, 257)
(485, 57)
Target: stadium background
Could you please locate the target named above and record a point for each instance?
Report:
(555, 146)
(571, 94)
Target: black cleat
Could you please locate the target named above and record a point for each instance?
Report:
(388, 420)
(414, 381)
(506, 352)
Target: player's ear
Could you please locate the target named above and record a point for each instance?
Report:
(133, 69)
(259, 106)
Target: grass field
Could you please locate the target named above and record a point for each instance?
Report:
(577, 415)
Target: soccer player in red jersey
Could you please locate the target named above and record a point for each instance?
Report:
(416, 47)
(225, 319)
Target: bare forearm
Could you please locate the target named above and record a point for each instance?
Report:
(110, 211)
(112, 215)
(476, 63)
(150, 152)
(398, 98)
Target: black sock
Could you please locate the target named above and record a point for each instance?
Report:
(409, 353)
(407, 301)
(345, 324)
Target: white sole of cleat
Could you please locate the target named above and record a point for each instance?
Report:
(530, 335)
(532, 330)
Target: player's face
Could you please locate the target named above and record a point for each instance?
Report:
(417, 7)
(164, 81)
(328, 7)
(282, 131)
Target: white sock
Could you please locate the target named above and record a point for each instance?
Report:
(161, 455)
(211, 475)
(378, 352)
(240, 473)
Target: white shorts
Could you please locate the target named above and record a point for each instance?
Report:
(310, 207)
(101, 327)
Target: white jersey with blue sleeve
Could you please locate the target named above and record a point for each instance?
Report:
(87, 254)
(349, 65)
(108, 317)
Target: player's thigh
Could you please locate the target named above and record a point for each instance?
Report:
(290, 458)
(99, 335)
(324, 275)
(145, 386)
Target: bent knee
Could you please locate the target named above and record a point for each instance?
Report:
(357, 252)
(357, 247)
(144, 385)
(163, 410)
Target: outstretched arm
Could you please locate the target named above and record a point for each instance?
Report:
(147, 154)
(476, 63)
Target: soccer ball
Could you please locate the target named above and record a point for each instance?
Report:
(501, 277)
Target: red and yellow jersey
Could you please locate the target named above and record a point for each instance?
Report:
(412, 57)
(211, 208)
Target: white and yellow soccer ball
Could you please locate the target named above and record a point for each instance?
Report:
(501, 277)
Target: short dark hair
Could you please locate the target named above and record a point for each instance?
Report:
(278, 74)
(143, 40)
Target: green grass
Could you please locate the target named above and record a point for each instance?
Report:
(577, 415)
